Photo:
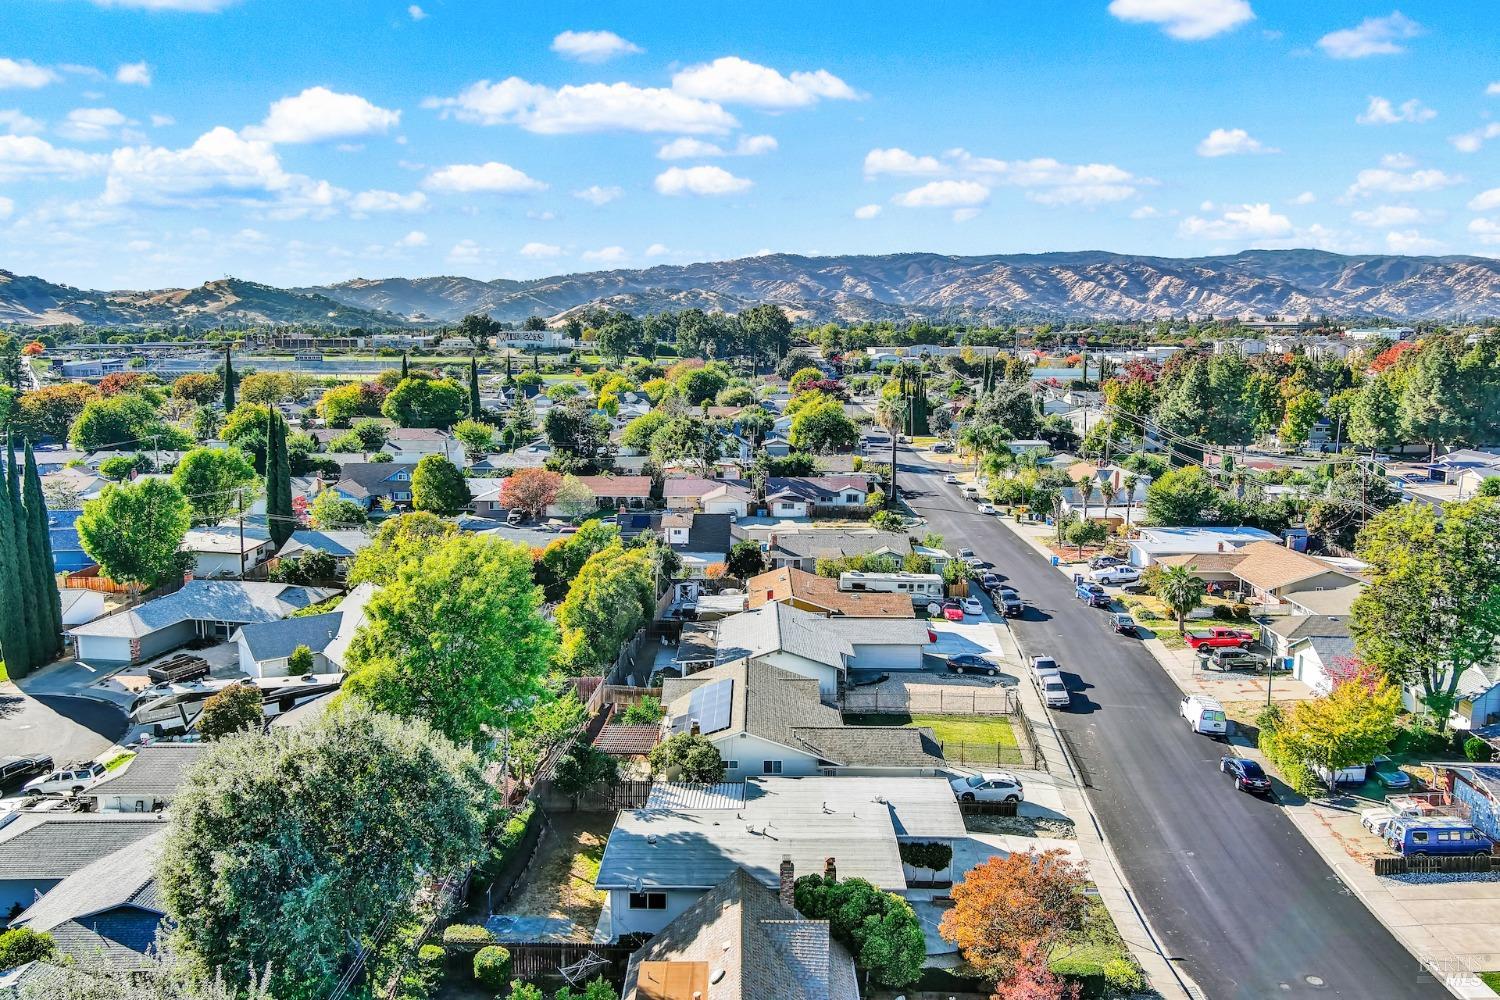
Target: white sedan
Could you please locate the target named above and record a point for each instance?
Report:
(972, 606)
(1116, 574)
(988, 786)
(950, 478)
(987, 508)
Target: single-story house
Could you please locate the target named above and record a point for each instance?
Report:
(1282, 631)
(220, 552)
(765, 720)
(800, 496)
(700, 540)
(777, 446)
(79, 606)
(1478, 702)
(1270, 573)
(748, 941)
(484, 497)
(368, 483)
(149, 782)
(822, 595)
(412, 444)
(614, 492)
(265, 648)
(819, 646)
(802, 549)
(1154, 542)
(1314, 657)
(39, 850)
(352, 610)
(661, 859)
(687, 492)
(341, 543)
(202, 609)
(109, 910)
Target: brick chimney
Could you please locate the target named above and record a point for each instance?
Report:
(788, 877)
(830, 870)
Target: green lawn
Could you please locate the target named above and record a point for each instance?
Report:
(970, 739)
(1491, 979)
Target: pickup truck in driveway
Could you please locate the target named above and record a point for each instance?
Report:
(1219, 638)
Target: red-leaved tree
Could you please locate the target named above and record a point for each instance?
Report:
(1345, 669)
(1009, 910)
(530, 490)
(1032, 980)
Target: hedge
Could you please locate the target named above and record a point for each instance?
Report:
(926, 854)
(492, 967)
(465, 938)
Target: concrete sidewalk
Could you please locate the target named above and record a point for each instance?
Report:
(1452, 928)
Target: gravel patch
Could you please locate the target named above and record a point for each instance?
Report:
(1443, 878)
(1021, 826)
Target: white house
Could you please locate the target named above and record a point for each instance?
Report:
(225, 552)
(79, 606)
(265, 648)
(1313, 658)
(1152, 542)
(149, 782)
(412, 444)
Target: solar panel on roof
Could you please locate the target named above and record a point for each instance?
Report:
(709, 706)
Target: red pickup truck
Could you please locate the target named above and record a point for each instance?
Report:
(1220, 638)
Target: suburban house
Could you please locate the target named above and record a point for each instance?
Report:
(222, 552)
(149, 782)
(352, 608)
(765, 720)
(1273, 574)
(79, 606)
(803, 496)
(202, 609)
(1478, 704)
(747, 940)
(822, 595)
(1283, 632)
(265, 648)
(412, 444)
(661, 859)
(712, 496)
(700, 540)
(819, 646)
(368, 483)
(1152, 543)
(687, 492)
(39, 850)
(484, 497)
(1313, 659)
(802, 549)
(343, 544)
(110, 908)
(614, 492)
(67, 551)
(1474, 790)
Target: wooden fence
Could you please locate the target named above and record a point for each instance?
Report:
(91, 579)
(1450, 865)
(988, 808)
(532, 960)
(605, 798)
(619, 697)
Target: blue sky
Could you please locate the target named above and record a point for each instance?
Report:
(151, 143)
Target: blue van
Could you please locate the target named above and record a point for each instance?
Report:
(1418, 835)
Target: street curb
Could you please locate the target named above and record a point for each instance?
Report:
(1477, 991)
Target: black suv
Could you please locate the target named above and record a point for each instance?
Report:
(16, 771)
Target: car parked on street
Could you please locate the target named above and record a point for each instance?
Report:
(972, 606)
(1008, 600)
(1440, 835)
(1092, 594)
(988, 786)
(1125, 625)
(1377, 820)
(950, 477)
(1230, 658)
(1204, 715)
(953, 611)
(1247, 774)
(989, 581)
(987, 508)
(971, 663)
(1104, 562)
(16, 771)
(1116, 574)
(943, 448)
(72, 780)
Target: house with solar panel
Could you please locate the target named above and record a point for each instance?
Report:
(767, 721)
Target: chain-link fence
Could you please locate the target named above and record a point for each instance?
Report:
(936, 700)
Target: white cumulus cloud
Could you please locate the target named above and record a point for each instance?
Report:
(1385, 181)
(1305, 198)
(1374, 36)
(899, 162)
(1486, 201)
(26, 156)
(491, 177)
(733, 80)
(1239, 222)
(590, 107)
(1386, 216)
(1472, 142)
(416, 13)
(596, 194)
(318, 114)
(1187, 20)
(699, 180)
(1382, 112)
(1052, 182)
(1487, 230)
(23, 74)
(867, 211)
(136, 74)
(541, 250)
(592, 46)
(1232, 142)
(1411, 241)
(657, 250)
(415, 238)
(367, 202)
(688, 148)
(91, 124)
(15, 122)
(943, 194)
(606, 255)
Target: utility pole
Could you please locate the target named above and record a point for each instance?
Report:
(240, 499)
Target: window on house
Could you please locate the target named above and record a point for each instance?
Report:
(770, 767)
(731, 765)
(648, 901)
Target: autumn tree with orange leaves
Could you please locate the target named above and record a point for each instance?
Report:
(1008, 912)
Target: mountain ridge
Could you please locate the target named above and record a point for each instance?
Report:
(1084, 284)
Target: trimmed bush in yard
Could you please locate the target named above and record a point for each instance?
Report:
(492, 967)
(464, 939)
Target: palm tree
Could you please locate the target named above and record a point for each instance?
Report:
(1181, 591)
(1130, 482)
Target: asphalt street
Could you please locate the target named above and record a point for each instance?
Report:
(1232, 890)
(70, 729)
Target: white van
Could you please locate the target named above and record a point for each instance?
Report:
(1205, 715)
(1049, 682)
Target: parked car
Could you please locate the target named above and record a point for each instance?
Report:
(1092, 594)
(1049, 682)
(970, 663)
(1204, 715)
(1104, 562)
(987, 508)
(943, 448)
(1389, 775)
(1125, 625)
(1134, 587)
(1423, 835)
(16, 771)
(1230, 658)
(972, 606)
(953, 611)
(1007, 600)
(1217, 637)
(1116, 574)
(950, 478)
(988, 786)
(1247, 774)
(73, 780)
(989, 581)
(515, 517)
(1377, 820)
(966, 553)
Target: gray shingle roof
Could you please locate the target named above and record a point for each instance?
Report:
(155, 772)
(824, 544)
(125, 877)
(208, 600)
(54, 846)
(339, 544)
(772, 950)
(871, 746)
(277, 639)
(781, 627)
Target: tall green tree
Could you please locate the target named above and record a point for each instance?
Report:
(211, 479)
(49, 613)
(17, 637)
(1375, 420)
(610, 599)
(135, 531)
(279, 515)
(1182, 497)
(229, 381)
(1431, 406)
(33, 576)
(1180, 591)
(438, 486)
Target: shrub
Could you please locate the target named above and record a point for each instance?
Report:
(646, 712)
(931, 855)
(21, 945)
(432, 956)
(1122, 975)
(1477, 750)
(1223, 613)
(465, 938)
(525, 991)
(492, 966)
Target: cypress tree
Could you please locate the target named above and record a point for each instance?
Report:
(49, 628)
(15, 643)
(474, 409)
(25, 609)
(278, 481)
(403, 364)
(228, 383)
